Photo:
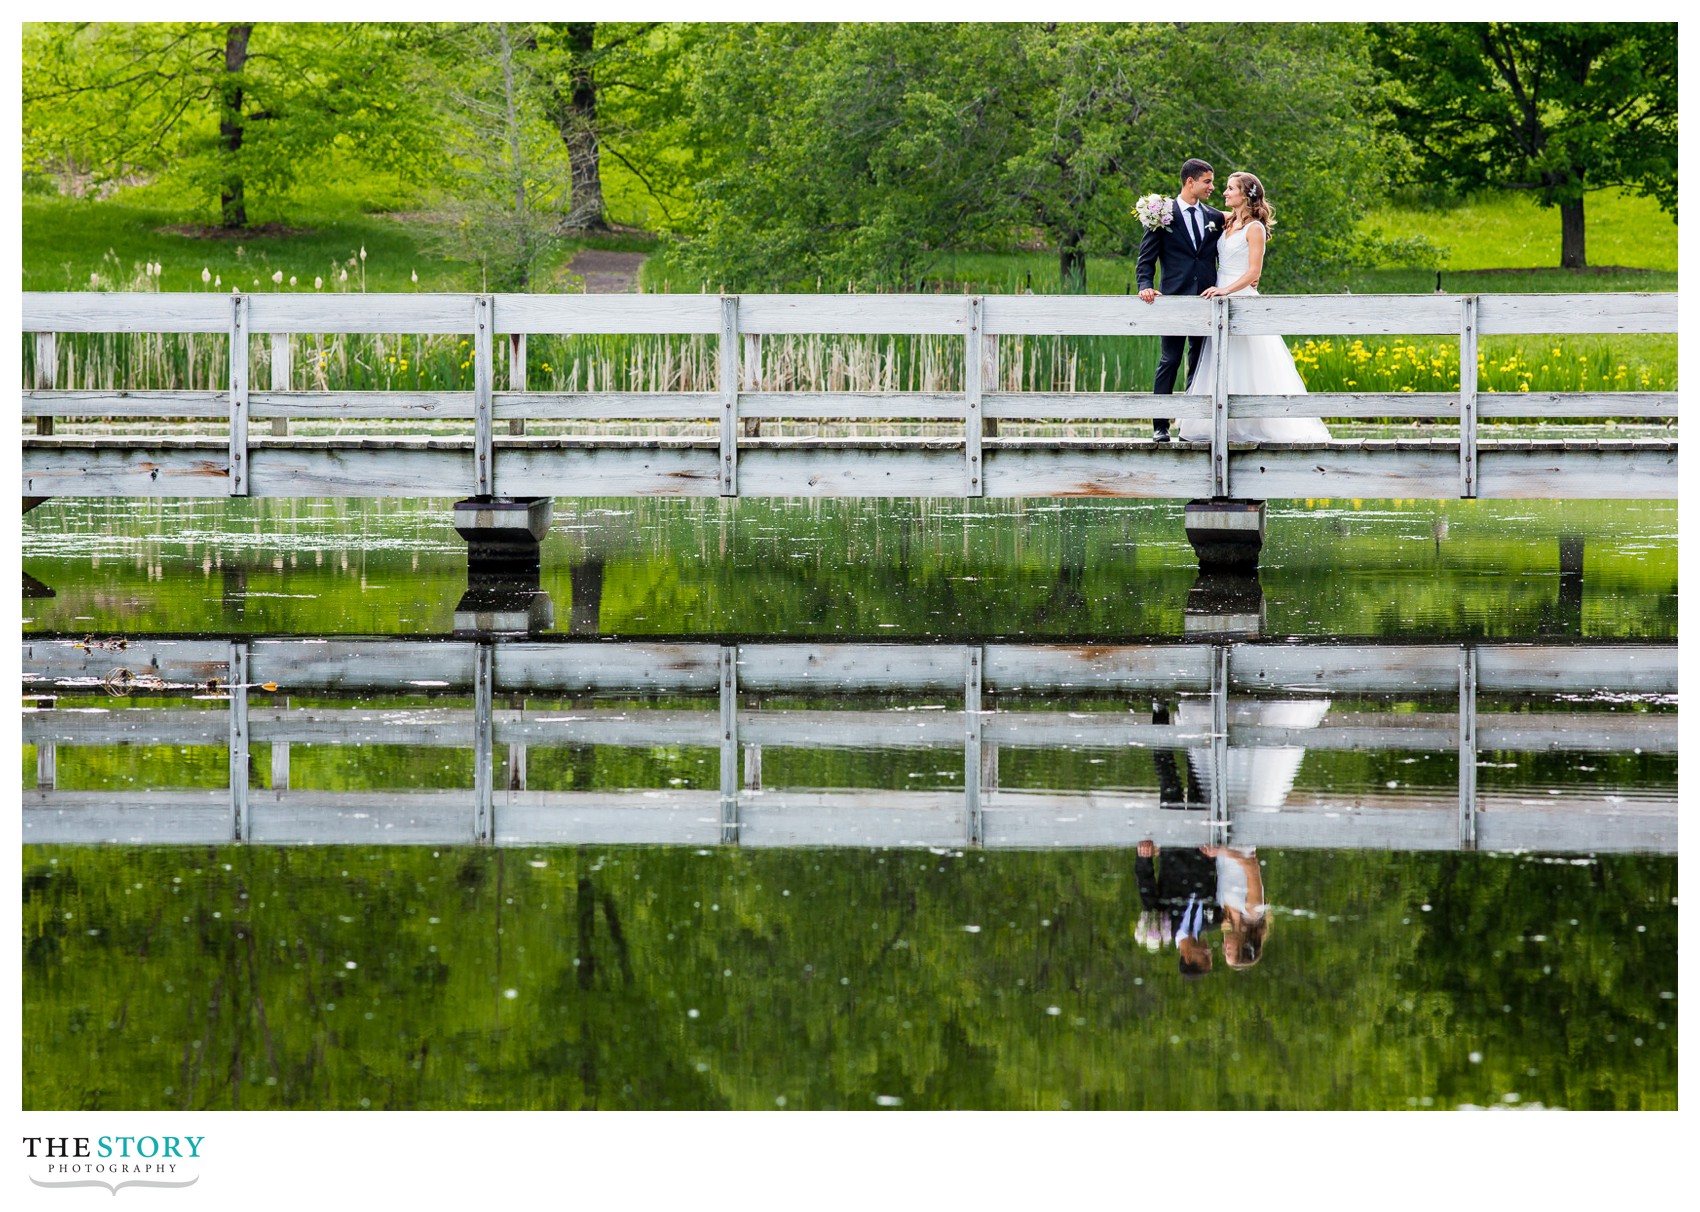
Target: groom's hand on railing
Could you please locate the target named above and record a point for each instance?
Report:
(1148, 295)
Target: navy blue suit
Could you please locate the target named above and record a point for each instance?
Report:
(1188, 269)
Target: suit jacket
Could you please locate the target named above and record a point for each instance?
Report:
(1187, 269)
(1186, 871)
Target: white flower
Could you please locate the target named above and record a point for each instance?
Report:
(292, 279)
(318, 283)
(218, 281)
(277, 278)
(362, 252)
(206, 275)
(416, 277)
(94, 280)
(344, 275)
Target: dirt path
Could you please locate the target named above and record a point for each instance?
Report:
(606, 273)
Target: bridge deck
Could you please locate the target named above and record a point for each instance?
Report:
(625, 465)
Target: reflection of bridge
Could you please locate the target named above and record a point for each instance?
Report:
(960, 452)
(1405, 697)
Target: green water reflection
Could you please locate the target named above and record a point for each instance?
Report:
(877, 569)
(635, 977)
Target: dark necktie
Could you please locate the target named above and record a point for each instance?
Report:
(1192, 218)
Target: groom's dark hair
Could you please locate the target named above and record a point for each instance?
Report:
(1194, 168)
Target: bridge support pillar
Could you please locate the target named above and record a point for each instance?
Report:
(1226, 533)
(1225, 605)
(504, 541)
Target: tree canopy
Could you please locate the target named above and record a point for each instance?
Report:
(1559, 108)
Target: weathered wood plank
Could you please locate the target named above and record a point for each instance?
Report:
(680, 818)
(842, 472)
(852, 668)
(396, 666)
(1333, 315)
(1347, 404)
(321, 818)
(1220, 466)
(418, 470)
(1605, 312)
(612, 405)
(852, 818)
(1012, 668)
(126, 404)
(728, 353)
(613, 472)
(360, 313)
(1595, 668)
(46, 376)
(834, 405)
(1096, 315)
(361, 405)
(533, 668)
(1090, 405)
(238, 482)
(98, 311)
(608, 313)
(1576, 404)
(165, 818)
(134, 471)
(1136, 471)
(1469, 402)
(1375, 469)
(483, 383)
(280, 380)
(973, 418)
(1623, 473)
(779, 314)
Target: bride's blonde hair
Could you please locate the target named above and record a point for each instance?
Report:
(1256, 200)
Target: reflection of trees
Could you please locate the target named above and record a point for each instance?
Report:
(827, 978)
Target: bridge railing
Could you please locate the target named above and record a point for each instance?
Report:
(741, 322)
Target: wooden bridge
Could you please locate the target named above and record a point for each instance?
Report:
(218, 452)
(1246, 715)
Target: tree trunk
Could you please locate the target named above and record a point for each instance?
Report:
(574, 118)
(1071, 264)
(1573, 251)
(232, 201)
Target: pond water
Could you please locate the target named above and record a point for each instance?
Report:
(841, 804)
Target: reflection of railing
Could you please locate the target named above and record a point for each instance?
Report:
(1122, 680)
(970, 461)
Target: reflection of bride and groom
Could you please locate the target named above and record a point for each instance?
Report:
(1198, 248)
(1203, 889)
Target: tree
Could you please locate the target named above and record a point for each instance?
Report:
(234, 110)
(864, 152)
(1560, 108)
(501, 192)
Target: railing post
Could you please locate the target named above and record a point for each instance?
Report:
(46, 373)
(729, 746)
(1467, 748)
(280, 378)
(280, 755)
(1219, 398)
(241, 824)
(483, 742)
(1467, 345)
(752, 378)
(729, 395)
(1219, 740)
(990, 377)
(973, 466)
(516, 377)
(971, 757)
(483, 376)
(46, 755)
(238, 480)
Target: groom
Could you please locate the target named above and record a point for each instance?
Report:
(1187, 249)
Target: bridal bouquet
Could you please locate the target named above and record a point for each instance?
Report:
(1154, 210)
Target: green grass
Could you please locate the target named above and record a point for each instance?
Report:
(1508, 230)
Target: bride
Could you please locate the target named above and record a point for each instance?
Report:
(1257, 365)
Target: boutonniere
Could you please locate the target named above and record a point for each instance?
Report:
(1210, 226)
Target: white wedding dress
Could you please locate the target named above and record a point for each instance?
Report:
(1257, 366)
